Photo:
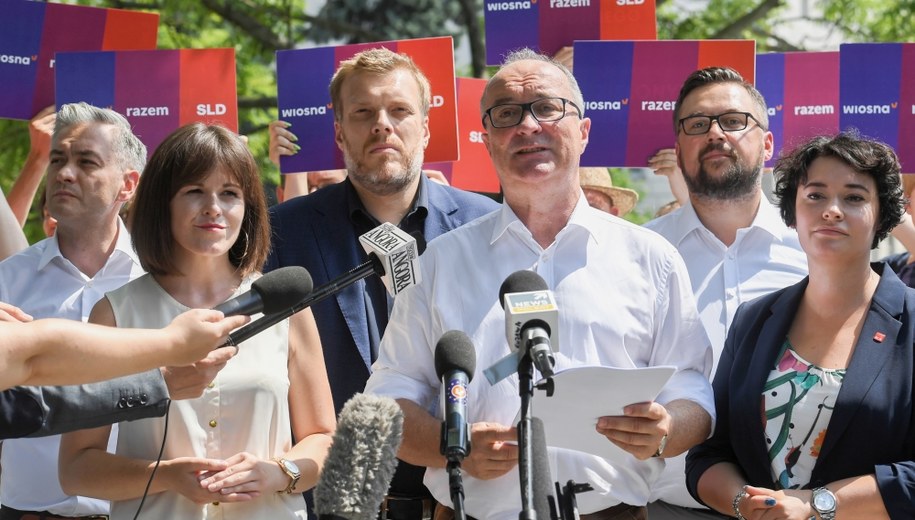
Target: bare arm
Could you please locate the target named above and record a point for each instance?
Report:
(665, 163)
(493, 453)
(22, 194)
(61, 352)
(313, 420)
(12, 239)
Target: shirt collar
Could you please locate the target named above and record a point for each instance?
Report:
(687, 221)
(356, 209)
(583, 216)
(123, 246)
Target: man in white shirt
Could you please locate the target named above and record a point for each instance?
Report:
(94, 169)
(733, 241)
(624, 297)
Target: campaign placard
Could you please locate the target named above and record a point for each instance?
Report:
(877, 94)
(549, 25)
(630, 89)
(474, 170)
(303, 77)
(157, 91)
(32, 32)
(802, 94)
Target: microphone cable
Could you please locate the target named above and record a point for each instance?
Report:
(168, 406)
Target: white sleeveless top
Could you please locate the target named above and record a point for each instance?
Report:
(245, 409)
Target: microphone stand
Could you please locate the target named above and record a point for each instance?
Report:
(525, 446)
(456, 486)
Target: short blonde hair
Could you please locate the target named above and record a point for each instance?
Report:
(377, 61)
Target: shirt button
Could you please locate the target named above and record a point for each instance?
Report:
(213, 423)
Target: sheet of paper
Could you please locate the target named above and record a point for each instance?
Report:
(583, 394)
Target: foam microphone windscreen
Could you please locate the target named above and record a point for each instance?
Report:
(455, 351)
(521, 282)
(361, 460)
(283, 288)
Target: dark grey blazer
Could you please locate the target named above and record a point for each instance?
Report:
(36, 411)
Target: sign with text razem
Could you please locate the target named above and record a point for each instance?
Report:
(302, 80)
(877, 94)
(548, 25)
(630, 89)
(802, 94)
(157, 91)
(32, 32)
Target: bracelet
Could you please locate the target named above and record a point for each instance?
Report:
(736, 503)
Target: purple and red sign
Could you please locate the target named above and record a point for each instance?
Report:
(802, 93)
(157, 91)
(32, 32)
(630, 98)
(877, 94)
(549, 25)
(303, 77)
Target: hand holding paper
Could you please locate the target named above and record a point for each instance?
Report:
(639, 431)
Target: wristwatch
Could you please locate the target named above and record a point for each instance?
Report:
(661, 446)
(290, 469)
(824, 503)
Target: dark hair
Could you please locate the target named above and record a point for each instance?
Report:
(719, 75)
(864, 155)
(188, 155)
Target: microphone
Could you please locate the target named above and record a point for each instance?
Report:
(271, 293)
(531, 318)
(544, 502)
(361, 460)
(384, 260)
(455, 362)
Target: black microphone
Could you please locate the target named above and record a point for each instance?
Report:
(531, 317)
(396, 261)
(274, 292)
(455, 362)
(361, 461)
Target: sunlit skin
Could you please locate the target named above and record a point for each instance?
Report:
(600, 200)
(207, 215)
(837, 212)
(382, 131)
(322, 178)
(86, 184)
(710, 159)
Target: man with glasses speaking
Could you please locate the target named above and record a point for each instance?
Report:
(623, 296)
(735, 245)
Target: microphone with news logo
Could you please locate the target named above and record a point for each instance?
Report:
(392, 254)
(531, 318)
(361, 460)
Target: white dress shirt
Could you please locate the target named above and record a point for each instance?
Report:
(624, 301)
(43, 283)
(764, 257)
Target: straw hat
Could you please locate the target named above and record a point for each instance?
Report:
(599, 179)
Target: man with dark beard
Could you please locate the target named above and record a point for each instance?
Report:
(733, 241)
(381, 109)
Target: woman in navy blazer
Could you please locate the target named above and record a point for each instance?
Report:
(814, 391)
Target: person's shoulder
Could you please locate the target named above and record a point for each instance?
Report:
(329, 196)
(665, 222)
(464, 199)
(29, 256)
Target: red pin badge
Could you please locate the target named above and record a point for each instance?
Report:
(879, 337)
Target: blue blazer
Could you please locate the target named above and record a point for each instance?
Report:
(872, 429)
(314, 231)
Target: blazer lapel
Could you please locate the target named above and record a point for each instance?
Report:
(442, 207)
(340, 252)
(873, 349)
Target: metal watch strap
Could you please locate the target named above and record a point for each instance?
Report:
(293, 477)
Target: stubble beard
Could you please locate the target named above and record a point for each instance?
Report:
(385, 182)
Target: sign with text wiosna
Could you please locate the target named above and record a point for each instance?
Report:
(474, 170)
(802, 94)
(157, 91)
(32, 32)
(549, 25)
(877, 94)
(302, 80)
(630, 89)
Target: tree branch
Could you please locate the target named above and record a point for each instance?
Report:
(252, 27)
(469, 12)
(743, 23)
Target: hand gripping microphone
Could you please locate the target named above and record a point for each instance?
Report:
(274, 292)
(455, 362)
(361, 461)
(396, 264)
(531, 318)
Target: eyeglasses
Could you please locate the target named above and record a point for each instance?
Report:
(543, 110)
(727, 122)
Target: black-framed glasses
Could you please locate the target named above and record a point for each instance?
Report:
(543, 110)
(728, 122)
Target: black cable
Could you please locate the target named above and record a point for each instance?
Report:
(168, 405)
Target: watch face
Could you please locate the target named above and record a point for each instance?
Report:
(824, 501)
(290, 467)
